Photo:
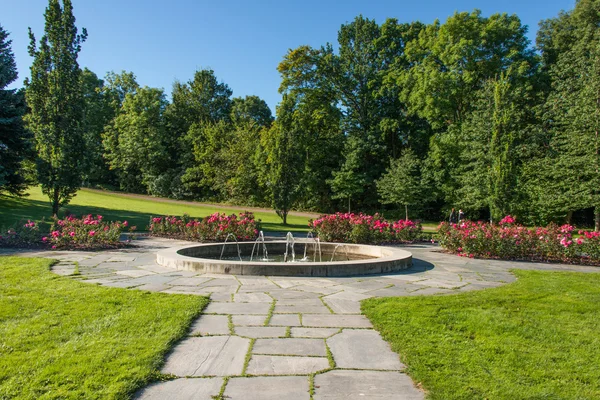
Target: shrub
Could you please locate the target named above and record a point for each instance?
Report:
(85, 233)
(69, 233)
(509, 240)
(22, 235)
(361, 228)
(215, 227)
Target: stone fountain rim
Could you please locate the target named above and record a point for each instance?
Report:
(394, 260)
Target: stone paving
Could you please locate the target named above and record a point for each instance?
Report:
(277, 337)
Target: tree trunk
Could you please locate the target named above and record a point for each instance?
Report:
(349, 204)
(597, 219)
(55, 202)
(406, 210)
(569, 218)
(284, 215)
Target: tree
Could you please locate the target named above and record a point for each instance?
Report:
(55, 99)
(495, 147)
(140, 153)
(401, 183)
(371, 115)
(284, 160)
(14, 140)
(98, 113)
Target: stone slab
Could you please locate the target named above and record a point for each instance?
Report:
(208, 356)
(249, 320)
(283, 365)
(252, 298)
(290, 347)
(238, 308)
(211, 325)
(268, 388)
(285, 320)
(372, 385)
(260, 331)
(343, 306)
(301, 309)
(183, 389)
(189, 281)
(347, 295)
(363, 349)
(313, 332)
(135, 273)
(335, 321)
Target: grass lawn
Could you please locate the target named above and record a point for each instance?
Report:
(118, 207)
(537, 338)
(63, 339)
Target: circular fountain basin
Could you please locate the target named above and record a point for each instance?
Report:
(363, 259)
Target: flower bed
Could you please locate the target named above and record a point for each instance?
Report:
(509, 240)
(215, 227)
(364, 229)
(85, 233)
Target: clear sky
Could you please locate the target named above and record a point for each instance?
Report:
(242, 41)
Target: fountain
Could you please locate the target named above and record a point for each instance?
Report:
(236, 243)
(279, 258)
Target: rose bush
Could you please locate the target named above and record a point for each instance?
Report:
(509, 240)
(215, 227)
(70, 233)
(366, 229)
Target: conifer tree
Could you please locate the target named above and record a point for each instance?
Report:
(14, 143)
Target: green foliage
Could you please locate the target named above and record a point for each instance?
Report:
(55, 99)
(495, 146)
(535, 338)
(569, 172)
(14, 140)
(63, 339)
(401, 184)
(284, 160)
(140, 151)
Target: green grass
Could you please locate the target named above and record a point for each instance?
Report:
(118, 207)
(537, 338)
(63, 339)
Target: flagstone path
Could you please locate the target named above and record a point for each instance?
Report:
(285, 337)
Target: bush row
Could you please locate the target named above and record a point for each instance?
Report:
(215, 227)
(509, 240)
(365, 229)
(87, 232)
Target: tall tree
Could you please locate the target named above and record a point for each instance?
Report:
(401, 184)
(572, 166)
(98, 112)
(55, 99)
(14, 140)
(371, 115)
(140, 153)
(284, 160)
(496, 140)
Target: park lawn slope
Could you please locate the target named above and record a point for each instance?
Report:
(535, 338)
(63, 339)
(120, 207)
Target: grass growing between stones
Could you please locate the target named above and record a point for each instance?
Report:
(60, 338)
(535, 338)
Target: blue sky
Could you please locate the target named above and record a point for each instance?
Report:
(242, 41)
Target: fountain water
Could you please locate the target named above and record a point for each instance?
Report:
(335, 249)
(289, 244)
(317, 246)
(236, 243)
(260, 239)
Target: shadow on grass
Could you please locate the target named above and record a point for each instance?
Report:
(15, 210)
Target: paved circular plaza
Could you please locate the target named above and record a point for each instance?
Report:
(296, 332)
